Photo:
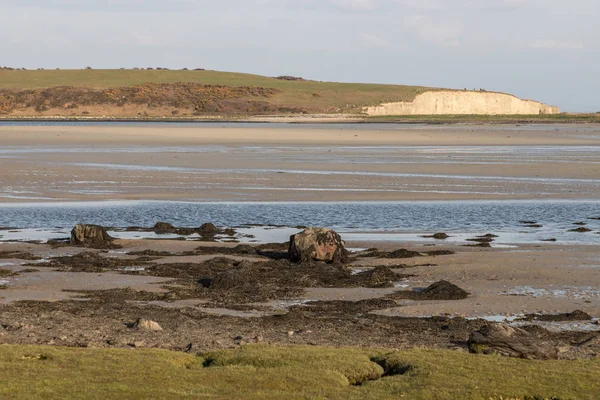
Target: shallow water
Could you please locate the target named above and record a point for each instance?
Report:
(263, 172)
(582, 128)
(393, 221)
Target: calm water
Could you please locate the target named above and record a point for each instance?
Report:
(401, 218)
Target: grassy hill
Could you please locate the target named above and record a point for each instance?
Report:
(289, 96)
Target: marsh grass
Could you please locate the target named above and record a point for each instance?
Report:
(266, 372)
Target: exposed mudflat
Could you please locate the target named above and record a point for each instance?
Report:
(298, 162)
(211, 295)
(530, 261)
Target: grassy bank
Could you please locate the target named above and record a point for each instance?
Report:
(313, 95)
(263, 372)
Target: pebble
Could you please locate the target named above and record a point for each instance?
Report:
(239, 340)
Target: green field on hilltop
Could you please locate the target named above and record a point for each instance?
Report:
(316, 94)
(266, 372)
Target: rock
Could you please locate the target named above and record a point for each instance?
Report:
(510, 342)
(239, 340)
(317, 244)
(443, 290)
(245, 249)
(580, 230)
(208, 228)
(481, 240)
(147, 325)
(403, 253)
(438, 236)
(163, 227)
(90, 235)
(576, 315)
(484, 245)
(435, 253)
(230, 279)
(380, 276)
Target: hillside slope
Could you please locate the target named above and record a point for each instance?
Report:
(84, 92)
(199, 93)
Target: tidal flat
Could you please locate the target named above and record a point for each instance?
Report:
(449, 230)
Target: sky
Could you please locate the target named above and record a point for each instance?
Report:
(545, 50)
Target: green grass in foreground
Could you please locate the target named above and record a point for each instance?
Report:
(262, 372)
(303, 93)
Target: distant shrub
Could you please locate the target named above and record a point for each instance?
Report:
(289, 78)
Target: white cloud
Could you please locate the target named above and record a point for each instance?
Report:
(354, 4)
(441, 33)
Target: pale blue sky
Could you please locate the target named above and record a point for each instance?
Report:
(547, 50)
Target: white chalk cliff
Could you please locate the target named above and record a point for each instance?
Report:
(463, 103)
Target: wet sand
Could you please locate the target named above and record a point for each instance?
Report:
(521, 280)
(93, 307)
(209, 162)
(85, 305)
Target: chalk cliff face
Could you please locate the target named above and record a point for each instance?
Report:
(465, 103)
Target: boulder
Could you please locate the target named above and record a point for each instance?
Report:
(147, 325)
(510, 342)
(90, 235)
(163, 227)
(317, 244)
(208, 228)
